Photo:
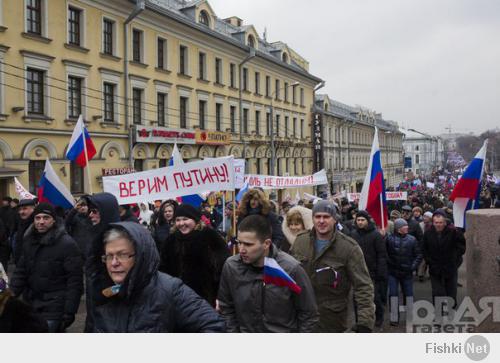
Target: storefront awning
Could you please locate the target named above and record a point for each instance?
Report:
(9, 172)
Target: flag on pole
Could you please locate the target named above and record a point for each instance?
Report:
(465, 195)
(52, 190)
(372, 197)
(79, 144)
(242, 192)
(274, 274)
(22, 191)
(194, 199)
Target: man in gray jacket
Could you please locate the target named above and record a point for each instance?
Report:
(250, 305)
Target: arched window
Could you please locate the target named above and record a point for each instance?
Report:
(203, 18)
(285, 57)
(251, 41)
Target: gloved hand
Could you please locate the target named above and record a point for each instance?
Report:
(361, 329)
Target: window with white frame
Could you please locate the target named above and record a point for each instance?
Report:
(161, 53)
(161, 108)
(108, 36)
(138, 45)
(76, 22)
(183, 60)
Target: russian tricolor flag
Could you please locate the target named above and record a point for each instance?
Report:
(194, 199)
(77, 147)
(372, 197)
(465, 195)
(274, 274)
(52, 190)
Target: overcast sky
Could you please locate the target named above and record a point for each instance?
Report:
(423, 63)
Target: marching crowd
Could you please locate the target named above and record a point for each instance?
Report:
(175, 268)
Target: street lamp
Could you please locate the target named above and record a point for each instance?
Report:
(271, 129)
(240, 65)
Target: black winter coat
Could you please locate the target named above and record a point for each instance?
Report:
(49, 273)
(149, 301)
(415, 230)
(22, 226)
(443, 251)
(18, 317)
(4, 245)
(374, 249)
(78, 226)
(403, 253)
(197, 259)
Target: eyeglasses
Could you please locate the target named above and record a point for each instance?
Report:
(93, 210)
(121, 257)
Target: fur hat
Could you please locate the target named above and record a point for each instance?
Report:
(26, 202)
(398, 223)
(428, 214)
(45, 208)
(188, 211)
(363, 214)
(395, 213)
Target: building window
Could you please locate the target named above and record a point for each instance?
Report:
(286, 126)
(301, 129)
(294, 127)
(74, 23)
(417, 159)
(109, 102)
(245, 120)
(138, 165)
(202, 63)
(232, 111)
(108, 36)
(163, 163)
(268, 123)
(137, 105)
(232, 75)
(277, 128)
(161, 108)
(294, 96)
(74, 96)
(218, 116)
(36, 168)
(302, 97)
(162, 54)
(203, 18)
(285, 57)
(257, 83)
(277, 87)
(34, 16)
(257, 122)
(245, 79)
(251, 41)
(183, 112)
(286, 91)
(202, 112)
(218, 70)
(268, 86)
(137, 46)
(76, 179)
(35, 92)
(183, 59)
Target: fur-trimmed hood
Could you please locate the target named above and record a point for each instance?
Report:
(306, 214)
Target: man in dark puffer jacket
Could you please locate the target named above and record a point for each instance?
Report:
(49, 273)
(374, 250)
(139, 298)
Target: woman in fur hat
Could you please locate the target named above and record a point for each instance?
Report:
(297, 220)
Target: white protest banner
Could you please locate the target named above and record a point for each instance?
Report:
(388, 196)
(172, 181)
(282, 182)
(21, 191)
(430, 185)
(239, 173)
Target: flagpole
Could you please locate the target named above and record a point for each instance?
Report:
(224, 211)
(234, 220)
(89, 177)
(382, 210)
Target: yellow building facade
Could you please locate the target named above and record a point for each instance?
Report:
(145, 76)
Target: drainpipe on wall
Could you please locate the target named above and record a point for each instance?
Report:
(139, 8)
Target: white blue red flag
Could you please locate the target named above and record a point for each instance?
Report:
(275, 275)
(465, 195)
(52, 190)
(242, 192)
(194, 199)
(372, 197)
(79, 143)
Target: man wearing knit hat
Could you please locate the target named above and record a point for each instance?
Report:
(335, 264)
(49, 273)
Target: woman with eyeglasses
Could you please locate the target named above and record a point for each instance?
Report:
(137, 297)
(194, 253)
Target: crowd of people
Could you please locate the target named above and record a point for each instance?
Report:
(172, 267)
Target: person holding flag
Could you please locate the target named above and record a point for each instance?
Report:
(263, 289)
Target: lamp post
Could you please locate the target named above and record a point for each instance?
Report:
(271, 128)
(240, 66)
